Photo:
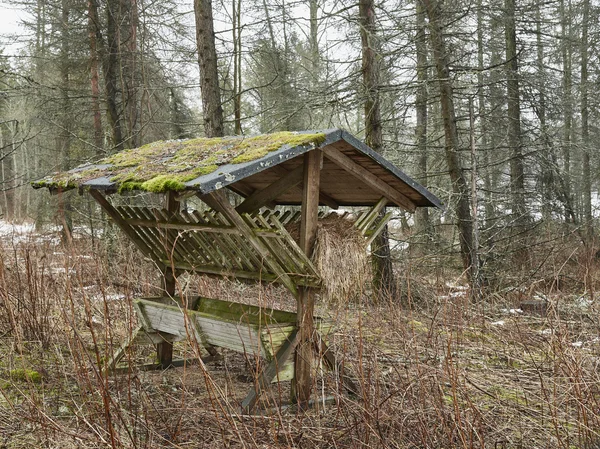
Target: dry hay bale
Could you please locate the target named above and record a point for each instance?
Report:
(340, 256)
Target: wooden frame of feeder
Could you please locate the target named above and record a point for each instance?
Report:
(248, 244)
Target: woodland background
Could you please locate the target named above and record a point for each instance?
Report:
(492, 105)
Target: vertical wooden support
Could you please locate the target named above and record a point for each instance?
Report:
(164, 350)
(302, 383)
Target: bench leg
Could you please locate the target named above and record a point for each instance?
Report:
(268, 374)
(111, 364)
(164, 353)
(333, 364)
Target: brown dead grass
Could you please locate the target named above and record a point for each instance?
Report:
(443, 375)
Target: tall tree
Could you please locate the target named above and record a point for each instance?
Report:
(209, 73)
(383, 276)
(585, 129)
(421, 214)
(517, 177)
(452, 143)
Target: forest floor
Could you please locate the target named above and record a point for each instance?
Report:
(434, 370)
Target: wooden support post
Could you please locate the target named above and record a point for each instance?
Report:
(269, 373)
(164, 350)
(302, 382)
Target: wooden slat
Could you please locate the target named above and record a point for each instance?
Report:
(263, 276)
(183, 226)
(368, 220)
(148, 239)
(228, 211)
(271, 192)
(232, 245)
(125, 227)
(305, 263)
(274, 245)
(369, 178)
(375, 232)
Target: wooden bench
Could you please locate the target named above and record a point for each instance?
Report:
(214, 323)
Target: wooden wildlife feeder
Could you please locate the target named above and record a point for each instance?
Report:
(248, 241)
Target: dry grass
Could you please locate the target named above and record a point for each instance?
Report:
(340, 257)
(446, 374)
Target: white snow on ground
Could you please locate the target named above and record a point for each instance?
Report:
(16, 233)
(512, 311)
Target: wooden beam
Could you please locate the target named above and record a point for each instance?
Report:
(269, 373)
(217, 201)
(369, 178)
(323, 197)
(302, 382)
(185, 226)
(387, 217)
(261, 197)
(310, 201)
(365, 222)
(241, 188)
(164, 350)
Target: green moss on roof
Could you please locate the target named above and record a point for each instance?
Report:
(168, 165)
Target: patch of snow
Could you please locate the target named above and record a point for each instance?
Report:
(512, 311)
(546, 332)
(456, 286)
(498, 323)
(577, 344)
(583, 302)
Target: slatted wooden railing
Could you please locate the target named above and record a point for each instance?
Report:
(207, 243)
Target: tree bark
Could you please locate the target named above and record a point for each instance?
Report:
(567, 100)
(209, 73)
(459, 183)
(109, 67)
(383, 275)
(93, 25)
(422, 213)
(517, 179)
(585, 132)
(483, 117)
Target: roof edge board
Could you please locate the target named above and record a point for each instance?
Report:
(350, 139)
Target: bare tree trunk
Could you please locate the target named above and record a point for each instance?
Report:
(64, 137)
(422, 213)
(93, 24)
(109, 69)
(483, 117)
(209, 73)
(132, 77)
(567, 100)
(237, 66)
(517, 180)
(459, 183)
(383, 275)
(585, 133)
(546, 159)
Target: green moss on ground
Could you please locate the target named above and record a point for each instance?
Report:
(23, 374)
(167, 165)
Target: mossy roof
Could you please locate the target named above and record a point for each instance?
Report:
(177, 164)
(245, 165)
